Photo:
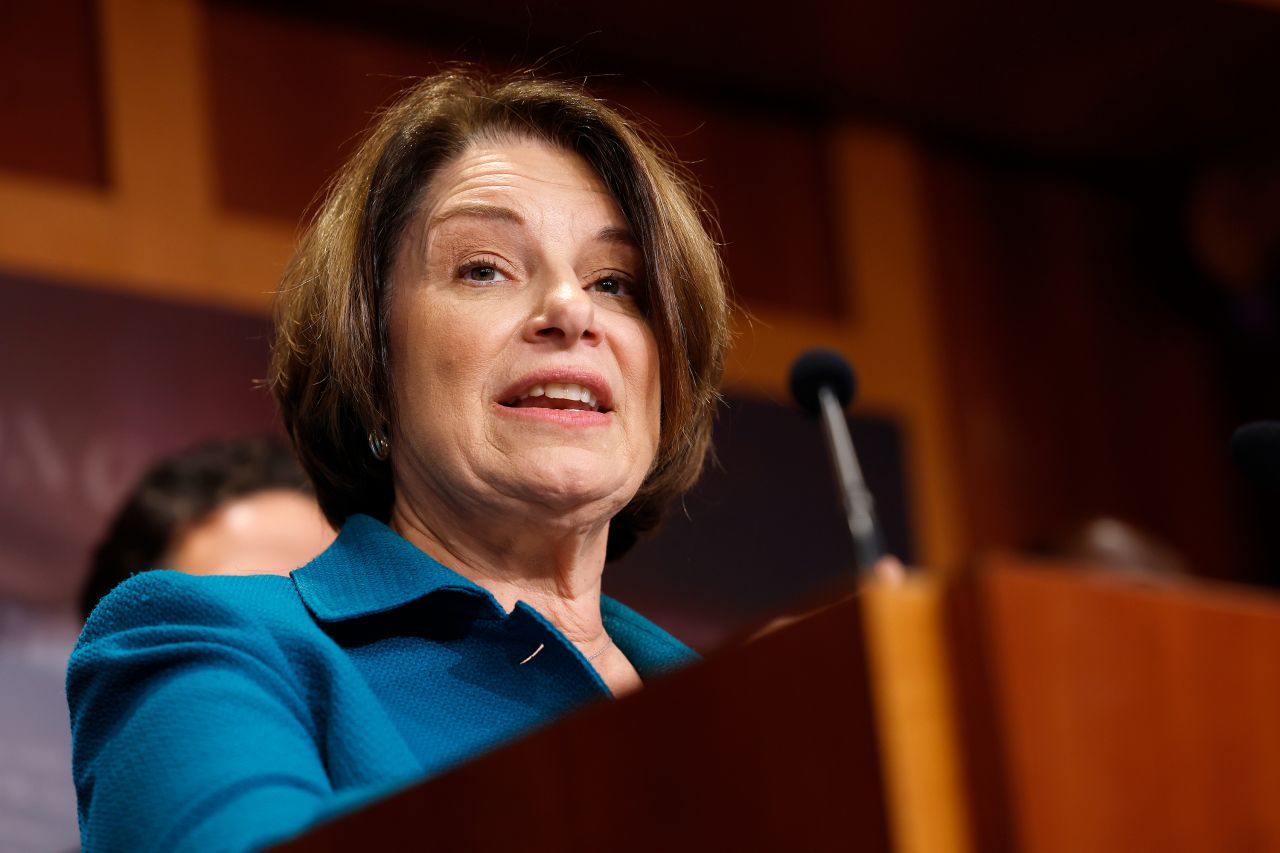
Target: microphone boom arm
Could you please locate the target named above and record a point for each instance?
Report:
(859, 506)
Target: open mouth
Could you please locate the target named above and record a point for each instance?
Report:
(557, 395)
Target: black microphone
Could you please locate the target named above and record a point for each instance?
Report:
(1255, 448)
(823, 383)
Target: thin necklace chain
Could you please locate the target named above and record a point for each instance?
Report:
(608, 641)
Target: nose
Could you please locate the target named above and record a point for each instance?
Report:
(565, 313)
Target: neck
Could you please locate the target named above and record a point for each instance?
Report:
(554, 568)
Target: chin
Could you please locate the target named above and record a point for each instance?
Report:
(568, 485)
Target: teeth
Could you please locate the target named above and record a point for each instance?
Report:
(563, 391)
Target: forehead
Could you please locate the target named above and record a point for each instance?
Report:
(530, 178)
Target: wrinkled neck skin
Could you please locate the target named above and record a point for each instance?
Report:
(551, 561)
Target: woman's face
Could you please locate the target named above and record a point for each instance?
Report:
(525, 375)
(271, 532)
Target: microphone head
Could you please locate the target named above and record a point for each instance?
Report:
(1255, 448)
(819, 367)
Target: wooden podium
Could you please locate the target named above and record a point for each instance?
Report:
(1018, 707)
(1105, 713)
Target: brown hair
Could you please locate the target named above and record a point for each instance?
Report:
(329, 368)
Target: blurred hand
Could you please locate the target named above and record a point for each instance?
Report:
(889, 570)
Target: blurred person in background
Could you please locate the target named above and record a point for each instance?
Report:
(233, 505)
(1118, 547)
(229, 506)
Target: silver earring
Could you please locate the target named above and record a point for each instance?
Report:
(379, 445)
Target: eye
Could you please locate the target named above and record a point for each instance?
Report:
(612, 285)
(481, 272)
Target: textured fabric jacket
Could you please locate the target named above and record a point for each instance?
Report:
(225, 713)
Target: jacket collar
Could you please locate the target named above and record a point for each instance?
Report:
(372, 569)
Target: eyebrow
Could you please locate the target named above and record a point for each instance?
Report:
(498, 213)
(621, 236)
(476, 210)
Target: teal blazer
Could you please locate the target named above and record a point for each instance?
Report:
(227, 713)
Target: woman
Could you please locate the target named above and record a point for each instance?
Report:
(497, 354)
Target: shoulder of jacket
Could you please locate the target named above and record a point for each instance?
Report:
(163, 597)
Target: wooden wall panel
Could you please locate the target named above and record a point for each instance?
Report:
(769, 181)
(50, 100)
(288, 98)
(1076, 391)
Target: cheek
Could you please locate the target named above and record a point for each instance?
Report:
(422, 357)
(429, 351)
(442, 356)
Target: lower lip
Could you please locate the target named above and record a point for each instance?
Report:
(559, 417)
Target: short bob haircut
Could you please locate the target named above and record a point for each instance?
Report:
(329, 369)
